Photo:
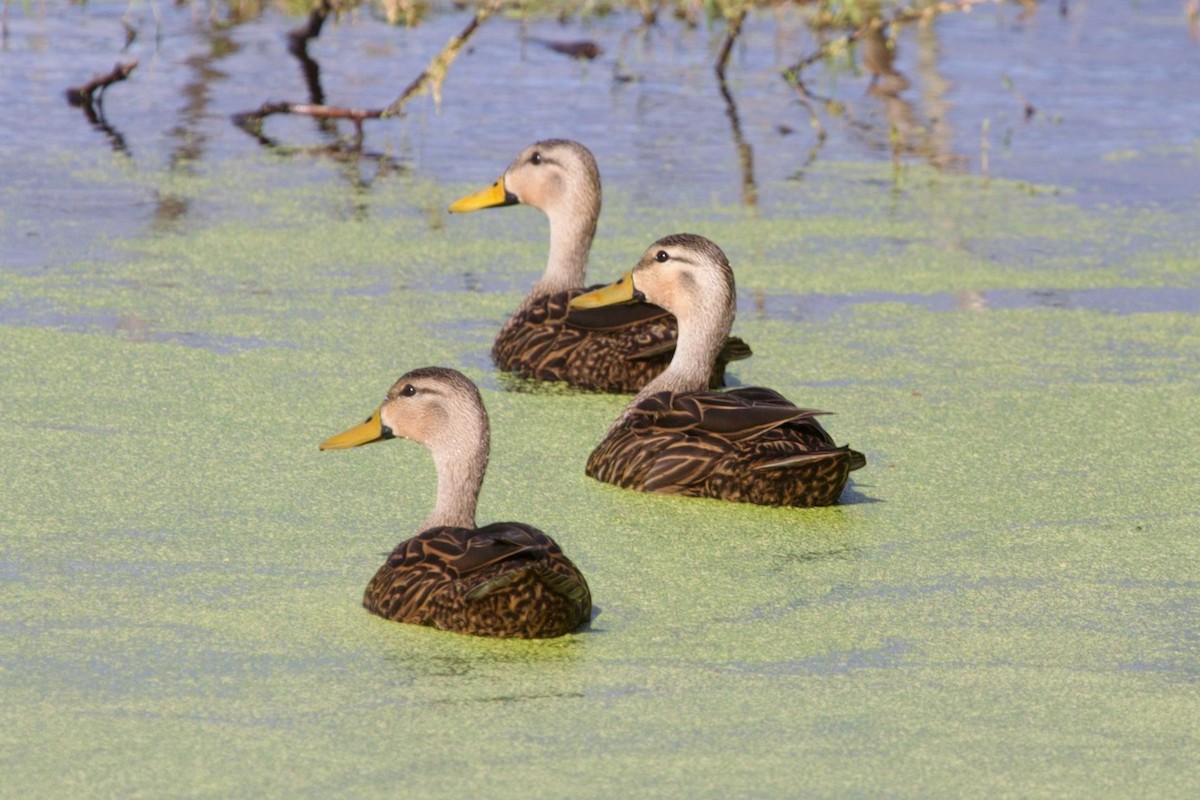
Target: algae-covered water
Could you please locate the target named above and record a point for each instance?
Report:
(1006, 603)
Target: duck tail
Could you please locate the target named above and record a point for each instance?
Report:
(734, 350)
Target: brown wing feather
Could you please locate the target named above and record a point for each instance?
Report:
(506, 579)
(748, 445)
(617, 352)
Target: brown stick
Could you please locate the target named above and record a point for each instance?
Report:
(315, 110)
(355, 115)
(93, 90)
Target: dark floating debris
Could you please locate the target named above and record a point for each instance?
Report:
(584, 49)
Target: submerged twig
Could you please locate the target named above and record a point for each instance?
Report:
(93, 91)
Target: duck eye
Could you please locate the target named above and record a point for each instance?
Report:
(661, 256)
(409, 390)
(536, 158)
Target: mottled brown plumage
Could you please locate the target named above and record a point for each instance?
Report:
(618, 350)
(614, 349)
(506, 579)
(747, 445)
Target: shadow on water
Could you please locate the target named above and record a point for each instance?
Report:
(852, 496)
(420, 655)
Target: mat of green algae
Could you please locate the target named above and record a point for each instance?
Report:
(1006, 605)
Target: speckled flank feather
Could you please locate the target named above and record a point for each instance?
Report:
(505, 580)
(747, 445)
(541, 341)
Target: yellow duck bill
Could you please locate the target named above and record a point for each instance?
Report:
(373, 430)
(622, 291)
(494, 195)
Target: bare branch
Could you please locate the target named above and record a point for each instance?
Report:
(92, 91)
(253, 119)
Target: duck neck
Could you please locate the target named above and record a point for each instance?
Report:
(701, 336)
(461, 463)
(571, 234)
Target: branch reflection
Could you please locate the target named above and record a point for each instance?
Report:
(744, 151)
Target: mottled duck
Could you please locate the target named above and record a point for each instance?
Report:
(751, 444)
(506, 579)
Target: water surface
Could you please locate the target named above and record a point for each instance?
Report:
(1005, 603)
